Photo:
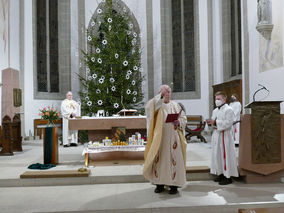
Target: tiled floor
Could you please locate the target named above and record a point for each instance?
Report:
(195, 196)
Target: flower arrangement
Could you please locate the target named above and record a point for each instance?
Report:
(49, 114)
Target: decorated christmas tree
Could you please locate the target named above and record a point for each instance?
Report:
(113, 79)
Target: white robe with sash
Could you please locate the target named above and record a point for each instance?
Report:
(237, 108)
(223, 158)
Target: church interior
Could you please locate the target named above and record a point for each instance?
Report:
(76, 78)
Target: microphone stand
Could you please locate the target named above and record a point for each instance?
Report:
(257, 92)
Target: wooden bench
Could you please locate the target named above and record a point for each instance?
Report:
(197, 122)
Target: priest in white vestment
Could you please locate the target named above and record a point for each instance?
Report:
(69, 109)
(223, 158)
(237, 108)
(165, 153)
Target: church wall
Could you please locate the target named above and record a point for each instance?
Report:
(263, 51)
(201, 106)
(31, 106)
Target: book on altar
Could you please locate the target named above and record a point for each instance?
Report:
(172, 117)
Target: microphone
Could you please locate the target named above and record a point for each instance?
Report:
(263, 87)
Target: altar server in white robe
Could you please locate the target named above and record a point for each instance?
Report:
(69, 109)
(223, 158)
(237, 108)
(165, 153)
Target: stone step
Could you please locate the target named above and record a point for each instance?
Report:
(262, 210)
(42, 178)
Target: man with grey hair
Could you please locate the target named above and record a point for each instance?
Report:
(69, 109)
(165, 152)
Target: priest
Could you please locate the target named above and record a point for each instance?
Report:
(223, 157)
(165, 152)
(69, 109)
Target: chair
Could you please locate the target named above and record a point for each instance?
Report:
(195, 120)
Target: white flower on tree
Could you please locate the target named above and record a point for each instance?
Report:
(133, 82)
(93, 59)
(100, 61)
(93, 23)
(100, 102)
(127, 76)
(94, 76)
(89, 103)
(135, 68)
(116, 105)
(90, 77)
(134, 92)
(103, 77)
(116, 55)
(113, 88)
(99, 11)
(98, 91)
(89, 38)
(134, 99)
(98, 50)
(109, 20)
(128, 92)
(125, 63)
(87, 69)
(104, 42)
(109, 28)
(101, 80)
(87, 98)
(135, 34)
(130, 25)
(129, 72)
(112, 80)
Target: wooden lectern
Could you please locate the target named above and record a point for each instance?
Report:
(261, 158)
(50, 145)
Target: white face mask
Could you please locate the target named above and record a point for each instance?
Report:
(218, 103)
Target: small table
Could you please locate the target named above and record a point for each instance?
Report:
(94, 155)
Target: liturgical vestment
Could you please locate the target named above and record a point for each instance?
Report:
(165, 153)
(67, 108)
(237, 108)
(223, 158)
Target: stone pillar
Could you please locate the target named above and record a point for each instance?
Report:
(10, 80)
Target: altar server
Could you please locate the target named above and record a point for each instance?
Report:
(223, 158)
(237, 108)
(69, 109)
(165, 153)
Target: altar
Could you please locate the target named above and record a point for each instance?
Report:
(101, 127)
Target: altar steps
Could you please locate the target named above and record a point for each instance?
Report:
(237, 208)
(117, 174)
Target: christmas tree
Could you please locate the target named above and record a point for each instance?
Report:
(113, 79)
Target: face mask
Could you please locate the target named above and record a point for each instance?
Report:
(218, 103)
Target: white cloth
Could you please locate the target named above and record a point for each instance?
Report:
(67, 108)
(237, 108)
(168, 167)
(223, 158)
